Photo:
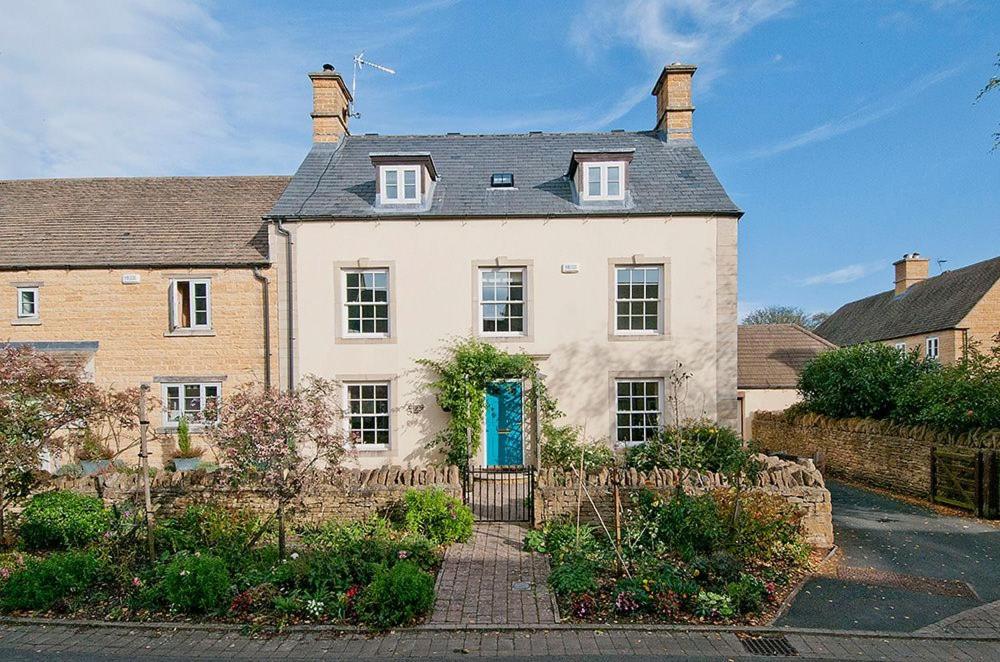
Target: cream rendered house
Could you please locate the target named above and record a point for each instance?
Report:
(608, 257)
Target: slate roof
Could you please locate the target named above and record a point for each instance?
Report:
(74, 355)
(938, 303)
(773, 355)
(338, 179)
(135, 221)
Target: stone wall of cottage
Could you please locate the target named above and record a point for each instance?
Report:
(131, 324)
(879, 453)
(337, 495)
(799, 482)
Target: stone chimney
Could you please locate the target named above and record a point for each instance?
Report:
(674, 111)
(910, 270)
(331, 105)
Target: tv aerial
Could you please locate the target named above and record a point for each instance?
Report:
(360, 63)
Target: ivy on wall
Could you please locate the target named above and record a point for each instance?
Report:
(462, 377)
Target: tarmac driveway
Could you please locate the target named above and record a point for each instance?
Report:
(903, 567)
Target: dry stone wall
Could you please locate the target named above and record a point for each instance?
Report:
(798, 482)
(336, 495)
(879, 453)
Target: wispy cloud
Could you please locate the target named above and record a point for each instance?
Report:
(131, 92)
(699, 31)
(858, 118)
(848, 274)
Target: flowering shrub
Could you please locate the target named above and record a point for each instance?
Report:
(196, 583)
(274, 438)
(62, 519)
(438, 515)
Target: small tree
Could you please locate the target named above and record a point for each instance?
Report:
(276, 439)
(785, 315)
(40, 401)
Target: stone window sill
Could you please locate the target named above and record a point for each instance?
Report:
(26, 321)
(185, 333)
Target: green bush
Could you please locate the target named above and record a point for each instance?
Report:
(697, 445)
(573, 577)
(559, 541)
(685, 524)
(437, 515)
(227, 532)
(321, 570)
(746, 594)
(673, 579)
(717, 569)
(862, 381)
(196, 583)
(562, 448)
(42, 583)
(61, 520)
(713, 605)
(397, 596)
(957, 398)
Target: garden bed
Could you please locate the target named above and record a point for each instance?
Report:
(76, 558)
(723, 558)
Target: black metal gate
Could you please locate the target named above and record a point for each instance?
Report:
(501, 494)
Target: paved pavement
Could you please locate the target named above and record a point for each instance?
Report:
(891, 538)
(491, 580)
(55, 642)
(981, 621)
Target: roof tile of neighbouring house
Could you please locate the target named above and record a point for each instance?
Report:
(773, 355)
(665, 177)
(135, 221)
(938, 303)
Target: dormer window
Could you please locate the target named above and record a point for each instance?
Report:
(603, 181)
(403, 179)
(400, 184)
(600, 176)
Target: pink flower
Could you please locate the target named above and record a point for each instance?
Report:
(4, 573)
(136, 582)
(403, 554)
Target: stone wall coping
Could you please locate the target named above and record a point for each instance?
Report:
(777, 472)
(981, 438)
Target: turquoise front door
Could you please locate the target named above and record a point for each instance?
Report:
(504, 437)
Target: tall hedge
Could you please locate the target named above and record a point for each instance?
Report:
(878, 381)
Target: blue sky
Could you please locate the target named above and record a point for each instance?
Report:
(846, 129)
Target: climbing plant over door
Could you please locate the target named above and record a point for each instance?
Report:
(467, 369)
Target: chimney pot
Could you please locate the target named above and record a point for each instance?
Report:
(331, 105)
(674, 110)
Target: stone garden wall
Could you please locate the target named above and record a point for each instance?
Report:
(879, 453)
(336, 495)
(798, 482)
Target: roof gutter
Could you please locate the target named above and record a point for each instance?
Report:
(266, 310)
(279, 227)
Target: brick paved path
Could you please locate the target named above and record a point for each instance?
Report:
(982, 621)
(476, 584)
(48, 642)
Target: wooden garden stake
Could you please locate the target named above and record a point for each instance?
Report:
(144, 456)
(618, 509)
(579, 499)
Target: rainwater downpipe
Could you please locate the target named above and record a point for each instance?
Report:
(289, 297)
(266, 306)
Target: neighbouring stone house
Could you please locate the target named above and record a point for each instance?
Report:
(771, 358)
(938, 316)
(165, 281)
(608, 257)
